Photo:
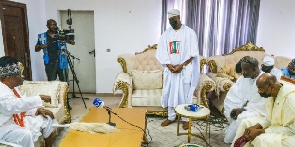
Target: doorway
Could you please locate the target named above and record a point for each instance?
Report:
(16, 33)
(83, 51)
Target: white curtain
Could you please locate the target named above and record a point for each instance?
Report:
(221, 25)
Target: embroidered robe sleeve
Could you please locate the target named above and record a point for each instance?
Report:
(287, 118)
(162, 53)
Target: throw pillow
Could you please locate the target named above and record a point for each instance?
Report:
(33, 88)
(147, 79)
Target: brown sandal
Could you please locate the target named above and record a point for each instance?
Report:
(167, 122)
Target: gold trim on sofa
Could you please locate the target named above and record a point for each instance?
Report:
(212, 65)
(203, 63)
(123, 64)
(160, 113)
(124, 87)
(153, 47)
(67, 111)
(247, 47)
(227, 86)
(203, 94)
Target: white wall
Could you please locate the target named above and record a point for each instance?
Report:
(276, 27)
(124, 26)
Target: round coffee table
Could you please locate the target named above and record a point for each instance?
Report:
(201, 114)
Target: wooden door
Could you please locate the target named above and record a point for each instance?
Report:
(15, 33)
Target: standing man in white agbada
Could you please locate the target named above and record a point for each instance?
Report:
(243, 100)
(21, 118)
(267, 66)
(178, 52)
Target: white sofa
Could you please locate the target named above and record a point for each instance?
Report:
(223, 84)
(142, 80)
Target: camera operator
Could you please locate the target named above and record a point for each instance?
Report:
(48, 41)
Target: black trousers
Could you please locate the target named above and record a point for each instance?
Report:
(52, 71)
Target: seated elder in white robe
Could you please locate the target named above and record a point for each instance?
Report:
(21, 118)
(277, 129)
(242, 100)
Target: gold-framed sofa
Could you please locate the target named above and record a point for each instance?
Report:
(217, 62)
(140, 92)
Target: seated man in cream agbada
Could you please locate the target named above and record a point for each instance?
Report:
(21, 118)
(277, 129)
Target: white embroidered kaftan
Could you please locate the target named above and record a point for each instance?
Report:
(9, 105)
(243, 90)
(175, 47)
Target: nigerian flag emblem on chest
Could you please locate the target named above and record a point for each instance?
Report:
(174, 47)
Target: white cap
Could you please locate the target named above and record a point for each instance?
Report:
(268, 61)
(173, 12)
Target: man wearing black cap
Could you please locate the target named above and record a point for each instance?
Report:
(178, 52)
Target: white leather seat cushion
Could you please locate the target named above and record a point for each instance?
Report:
(146, 97)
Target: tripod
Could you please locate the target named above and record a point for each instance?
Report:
(73, 92)
(75, 79)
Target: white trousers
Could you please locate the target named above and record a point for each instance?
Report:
(26, 136)
(230, 132)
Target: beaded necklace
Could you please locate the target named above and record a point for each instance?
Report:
(19, 120)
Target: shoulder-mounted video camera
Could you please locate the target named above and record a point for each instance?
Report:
(66, 34)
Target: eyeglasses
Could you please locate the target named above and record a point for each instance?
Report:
(247, 60)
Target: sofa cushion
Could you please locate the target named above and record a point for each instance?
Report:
(147, 79)
(51, 88)
(59, 113)
(146, 97)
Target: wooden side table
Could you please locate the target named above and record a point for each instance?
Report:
(202, 113)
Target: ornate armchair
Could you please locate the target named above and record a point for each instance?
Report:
(58, 92)
(141, 82)
(216, 63)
